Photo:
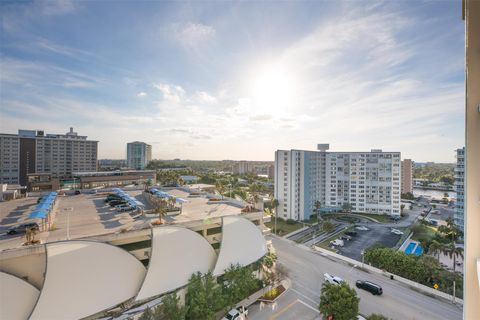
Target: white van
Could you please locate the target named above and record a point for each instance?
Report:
(337, 242)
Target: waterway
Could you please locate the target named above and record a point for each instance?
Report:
(437, 194)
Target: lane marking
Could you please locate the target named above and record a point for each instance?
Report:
(308, 306)
(283, 310)
(315, 302)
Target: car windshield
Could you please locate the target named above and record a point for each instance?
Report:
(230, 316)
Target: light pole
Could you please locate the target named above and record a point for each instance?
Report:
(67, 210)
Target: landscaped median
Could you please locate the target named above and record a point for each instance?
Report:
(414, 285)
(284, 226)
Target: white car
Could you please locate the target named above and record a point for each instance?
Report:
(239, 313)
(332, 279)
(396, 231)
(362, 228)
(337, 242)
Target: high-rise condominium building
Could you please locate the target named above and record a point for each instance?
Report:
(407, 176)
(139, 154)
(362, 181)
(459, 188)
(33, 151)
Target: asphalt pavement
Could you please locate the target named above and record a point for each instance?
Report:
(306, 269)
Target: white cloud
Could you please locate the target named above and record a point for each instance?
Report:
(172, 93)
(204, 97)
(193, 34)
(57, 7)
(141, 94)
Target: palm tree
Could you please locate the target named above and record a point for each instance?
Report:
(275, 204)
(327, 226)
(453, 252)
(435, 248)
(220, 188)
(317, 205)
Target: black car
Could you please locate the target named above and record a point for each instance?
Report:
(116, 202)
(23, 227)
(373, 288)
(77, 192)
(351, 233)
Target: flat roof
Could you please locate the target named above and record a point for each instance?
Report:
(89, 215)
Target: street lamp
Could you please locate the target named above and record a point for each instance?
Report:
(67, 210)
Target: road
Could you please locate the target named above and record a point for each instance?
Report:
(306, 269)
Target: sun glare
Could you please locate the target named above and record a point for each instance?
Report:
(272, 89)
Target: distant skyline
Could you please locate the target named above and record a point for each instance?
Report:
(237, 80)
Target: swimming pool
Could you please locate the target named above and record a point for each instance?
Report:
(410, 247)
(414, 248)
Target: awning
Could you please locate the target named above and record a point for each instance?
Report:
(38, 214)
(180, 200)
(43, 206)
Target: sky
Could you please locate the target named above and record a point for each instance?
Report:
(237, 80)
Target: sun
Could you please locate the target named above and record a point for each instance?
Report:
(272, 89)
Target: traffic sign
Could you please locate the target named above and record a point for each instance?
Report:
(435, 286)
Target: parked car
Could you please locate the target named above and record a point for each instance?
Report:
(337, 242)
(117, 202)
(123, 208)
(236, 314)
(435, 212)
(77, 192)
(346, 237)
(396, 231)
(371, 287)
(362, 228)
(23, 227)
(395, 218)
(332, 279)
(351, 233)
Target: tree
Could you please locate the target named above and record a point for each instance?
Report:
(435, 248)
(317, 205)
(220, 188)
(171, 307)
(347, 207)
(327, 226)
(147, 315)
(340, 300)
(204, 296)
(453, 252)
(238, 283)
(275, 204)
(402, 208)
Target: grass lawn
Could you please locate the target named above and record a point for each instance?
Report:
(383, 218)
(423, 232)
(283, 227)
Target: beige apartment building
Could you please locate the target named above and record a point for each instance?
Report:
(407, 175)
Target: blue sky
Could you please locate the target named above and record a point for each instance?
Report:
(237, 80)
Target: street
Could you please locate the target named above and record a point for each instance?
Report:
(306, 269)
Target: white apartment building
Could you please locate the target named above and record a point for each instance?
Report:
(458, 216)
(33, 151)
(139, 154)
(366, 181)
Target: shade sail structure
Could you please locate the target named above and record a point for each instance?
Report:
(180, 200)
(38, 214)
(17, 297)
(177, 253)
(131, 200)
(43, 206)
(242, 243)
(86, 277)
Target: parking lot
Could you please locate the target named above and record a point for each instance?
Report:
(377, 234)
(83, 215)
